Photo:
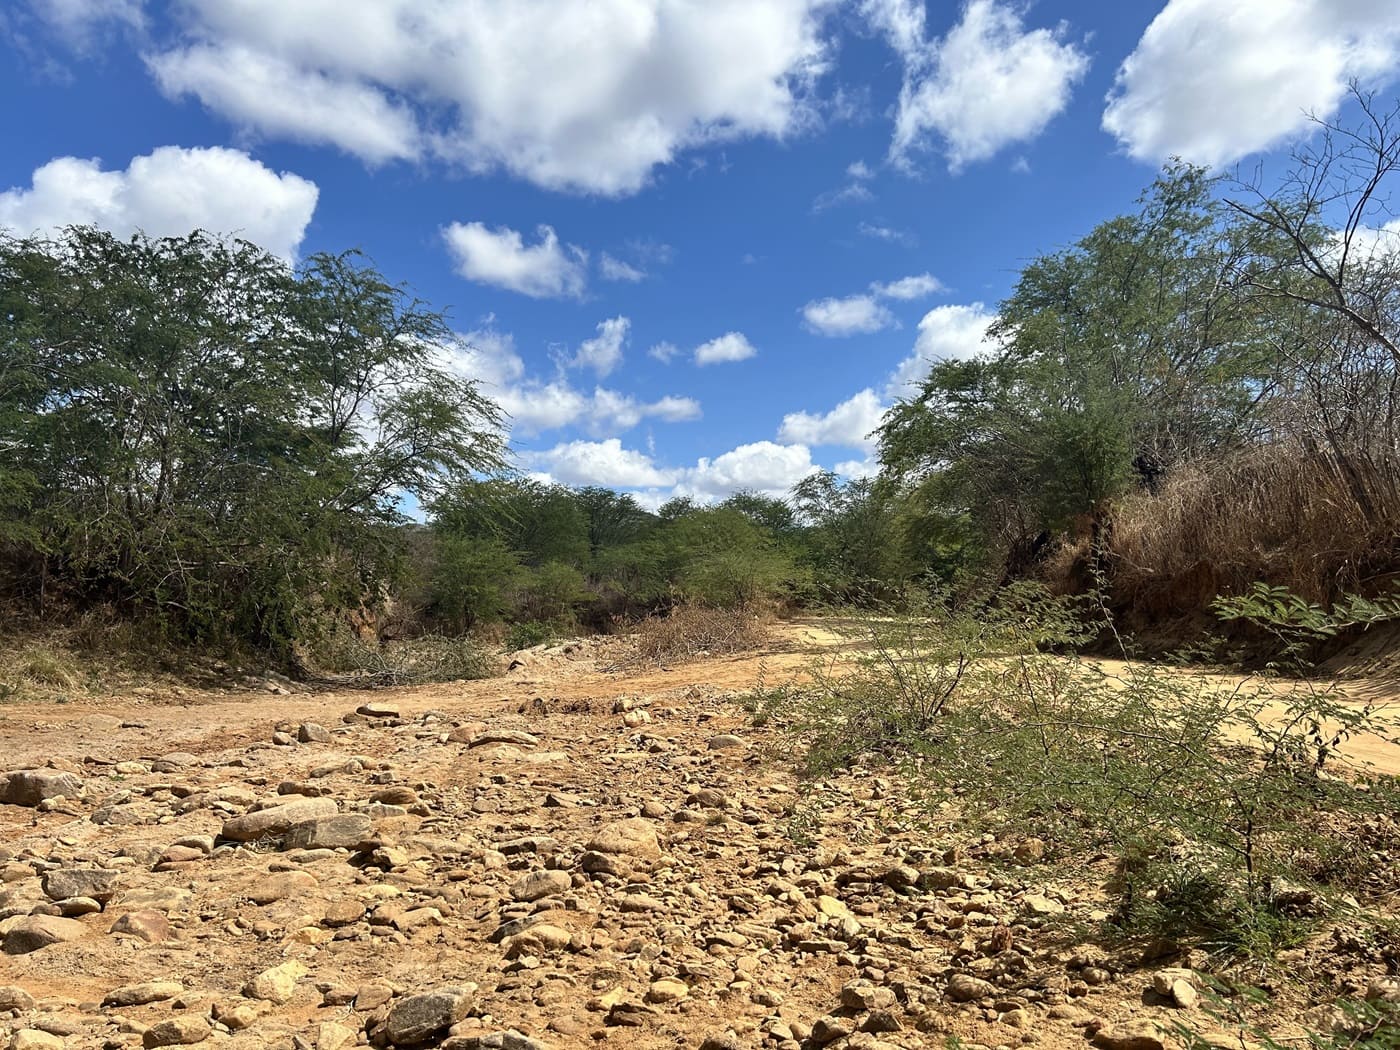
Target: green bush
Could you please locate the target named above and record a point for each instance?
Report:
(1214, 798)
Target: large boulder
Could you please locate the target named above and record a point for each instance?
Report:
(39, 931)
(276, 820)
(29, 787)
(418, 1018)
(343, 831)
(99, 884)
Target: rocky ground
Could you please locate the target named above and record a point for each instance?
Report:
(561, 857)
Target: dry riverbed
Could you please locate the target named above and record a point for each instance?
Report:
(564, 856)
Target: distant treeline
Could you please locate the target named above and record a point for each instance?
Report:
(1196, 396)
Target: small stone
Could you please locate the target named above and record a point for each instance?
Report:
(418, 1018)
(34, 1039)
(276, 819)
(343, 913)
(351, 831)
(282, 885)
(178, 1031)
(513, 737)
(635, 837)
(147, 924)
(13, 997)
(725, 741)
(76, 907)
(311, 733)
(964, 988)
(539, 884)
(277, 985)
(1129, 1039)
(29, 787)
(1032, 851)
(40, 931)
(667, 990)
(377, 709)
(141, 994)
(333, 1036)
(99, 884)
(831, 1028)
(1039, 904)
(397, 795)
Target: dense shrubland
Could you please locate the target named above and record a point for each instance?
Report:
(1194, 397)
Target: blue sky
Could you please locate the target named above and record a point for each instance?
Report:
(696, 245)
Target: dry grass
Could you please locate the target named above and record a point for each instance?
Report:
(1275, 514)
(693, 632)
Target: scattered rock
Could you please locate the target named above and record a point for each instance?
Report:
(539, 884)
(1142, 1038)
(34, 1039)
(311, 733)
(352, 831)
(147, 924)
(29, 787)
(276, 985)
(632, 837)
(275, 820)
(964, 988)
(13, 997)
(40, 931)
(178, 1031)
(97, 884)
(418, 1018)
(141, 994)
(725, 741)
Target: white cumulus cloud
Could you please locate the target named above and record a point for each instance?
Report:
(605, 463)
(614, 269)
(862, 314)
(589, 97)
(989, 83)
(536, 405)
(906, 288)
(945, 333)
(547, 269)
(763, 466)
(853, 315)
(1212, 82)
(603, 353)
(732, 346)
(849, 424)
(167, 192)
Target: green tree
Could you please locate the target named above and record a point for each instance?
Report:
(198, 432)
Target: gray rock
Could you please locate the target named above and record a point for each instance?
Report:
(100, 884)
(141, 994)
(311, 733)
(147, 924)
(178, 1031)
(725, 741)
(538, 884)
(13, 997)
(344, 831)
(964, 988)
(418, 1018)
(509, 1040)
(29, 787)
(277, 819)
(634, 837)
(40, 931)
(35, 1039)
(503, 736)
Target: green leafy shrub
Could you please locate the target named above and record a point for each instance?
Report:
(1212, 795)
